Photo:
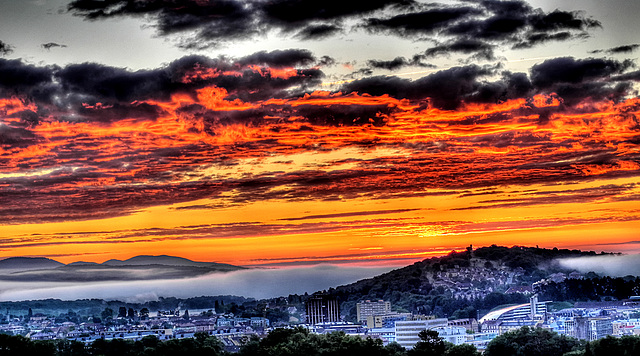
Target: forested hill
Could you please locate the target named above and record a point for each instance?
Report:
(447, 286)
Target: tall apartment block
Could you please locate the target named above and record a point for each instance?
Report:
(368, 308)
(322, 309)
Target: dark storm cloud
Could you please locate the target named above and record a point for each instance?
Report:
(574, 71)
(317, 32)
(420, 22)
(617, 50)
(577, 79)
(280, 58)
(538, 38)
(623, 49)
(299, 13)
(559, 20)
(203, 24)
(5, 49)
(399, 62)
(110, 83)
(393, 64)
(220, 21)
(16, 77)
(50, 45)
(345, 115)
(480, 49)
(634, 76)
(485, 25)
(446, 89)
(211, 20)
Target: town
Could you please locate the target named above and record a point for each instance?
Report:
(376, 319)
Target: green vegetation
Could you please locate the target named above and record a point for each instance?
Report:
(410, 288)
(589, 289)
(300, 342)
(531, 342)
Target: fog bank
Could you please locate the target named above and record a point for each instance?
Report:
(254, 283)
(614, 266)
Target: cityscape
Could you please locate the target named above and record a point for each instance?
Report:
(466, 276)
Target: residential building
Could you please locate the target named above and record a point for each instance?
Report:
(368, 308)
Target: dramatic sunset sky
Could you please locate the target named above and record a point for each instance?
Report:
(291, 133)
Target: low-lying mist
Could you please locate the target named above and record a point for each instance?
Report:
(254, 283)
(610, 265)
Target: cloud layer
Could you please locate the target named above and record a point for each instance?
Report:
(90, 141)
(489, 23)
(614, 266)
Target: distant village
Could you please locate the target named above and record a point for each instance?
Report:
(375, 318)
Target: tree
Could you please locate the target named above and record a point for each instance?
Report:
(531, 342)
(122, 312)
(131, 313)
(430, 344)
(462, 350)
(144, 313)
(106, 314)
(186, 314)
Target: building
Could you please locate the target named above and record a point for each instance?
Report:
(386, 320)
(534, 310)
(407, 331)
(322, 309)
(387, 335)
(470, 324)
(368, 308)
(456, 335)
(588, 328)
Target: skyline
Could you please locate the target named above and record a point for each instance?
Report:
(289, 133)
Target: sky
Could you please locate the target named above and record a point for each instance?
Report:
(292, 133)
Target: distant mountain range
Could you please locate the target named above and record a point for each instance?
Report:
(28, 263)
(40, 269)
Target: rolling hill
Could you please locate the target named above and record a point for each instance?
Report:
(24, 269)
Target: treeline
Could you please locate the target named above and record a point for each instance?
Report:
(88, 306)
(590, 289)
(300, 342)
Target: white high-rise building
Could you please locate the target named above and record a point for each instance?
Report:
(407, 331)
